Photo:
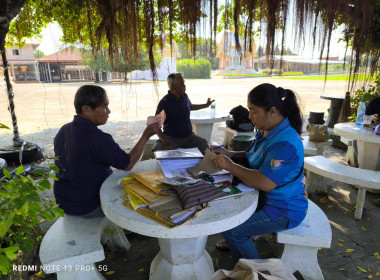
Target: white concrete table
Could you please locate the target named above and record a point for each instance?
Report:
(203, 122)
(182, 249)
(368, 143)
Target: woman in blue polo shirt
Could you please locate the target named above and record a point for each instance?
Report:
(274, 167)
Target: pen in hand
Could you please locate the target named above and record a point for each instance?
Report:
(214, 148)
(217, 147)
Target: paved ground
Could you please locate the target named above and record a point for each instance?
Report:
(42, 109)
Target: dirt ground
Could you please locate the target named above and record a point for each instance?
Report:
(42, 108)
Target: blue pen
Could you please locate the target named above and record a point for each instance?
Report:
(217, 147)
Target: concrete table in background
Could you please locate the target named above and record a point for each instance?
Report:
(334, 110)
(367, 141)
(203, 122)
(182, 249)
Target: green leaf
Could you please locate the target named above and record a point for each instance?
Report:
(3, 228)
(5, 225)
(5, 193)
(24, 210)
(40, 172)
(18, 202)
(5, 264)
(33, 197)
(4, 126)
(7, 174)
(54, 168)
(28, 243)
(11, 252)
(19, 170)
(44, 183)
(54, 177)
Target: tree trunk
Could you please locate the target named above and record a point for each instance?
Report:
(104, 75)
(8, 10)
(17, 141)
(97, 80)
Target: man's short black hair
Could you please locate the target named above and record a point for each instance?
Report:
(89, 95)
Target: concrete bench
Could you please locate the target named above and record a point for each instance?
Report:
(363, 179)
(73, 245)
(229, 133)
(314, 148)
(303, 241)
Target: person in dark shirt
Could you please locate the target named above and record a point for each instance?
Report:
(85, 154)
(177, 129)
(373, 108)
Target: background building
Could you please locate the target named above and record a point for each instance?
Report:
(230, 58)
(21, 62)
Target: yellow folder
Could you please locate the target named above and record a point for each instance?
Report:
(148, 178)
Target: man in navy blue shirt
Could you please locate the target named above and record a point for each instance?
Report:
(85, 154)
(177, 129)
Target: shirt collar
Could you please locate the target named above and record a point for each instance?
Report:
(175, 97)
(83, 121)
(280, 127)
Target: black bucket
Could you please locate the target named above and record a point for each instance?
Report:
(241, 142)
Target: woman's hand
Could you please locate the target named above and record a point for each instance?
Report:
(219, 150)
(222, 162)
(376, 119)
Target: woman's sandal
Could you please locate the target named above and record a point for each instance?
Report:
(222, 245)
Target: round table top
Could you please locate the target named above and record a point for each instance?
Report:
(220, 216)
(204, 116)
(353, 131)
(330, 97)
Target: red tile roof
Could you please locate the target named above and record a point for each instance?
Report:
(65, 55)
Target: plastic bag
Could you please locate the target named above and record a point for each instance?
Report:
(251, 270)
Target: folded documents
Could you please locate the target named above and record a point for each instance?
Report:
(178, 154)
(179, 180)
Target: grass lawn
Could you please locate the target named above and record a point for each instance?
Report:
(339, 77)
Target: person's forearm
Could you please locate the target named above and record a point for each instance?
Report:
(252, 178)
(231, 154)
(137, 151)
(162, 137)
(195, 107)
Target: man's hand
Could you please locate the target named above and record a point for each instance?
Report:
(376, 119)
(209, 101)
(151, 130)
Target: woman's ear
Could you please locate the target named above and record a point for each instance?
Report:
(273, 110)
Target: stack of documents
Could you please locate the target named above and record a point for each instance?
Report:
(155, 200)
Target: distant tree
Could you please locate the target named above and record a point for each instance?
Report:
(38, 53)
(97, 62)
(260, 51)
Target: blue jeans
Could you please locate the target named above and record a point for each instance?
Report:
(240, 238)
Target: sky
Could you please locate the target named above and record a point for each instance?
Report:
(52, 33)
(50, 39)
